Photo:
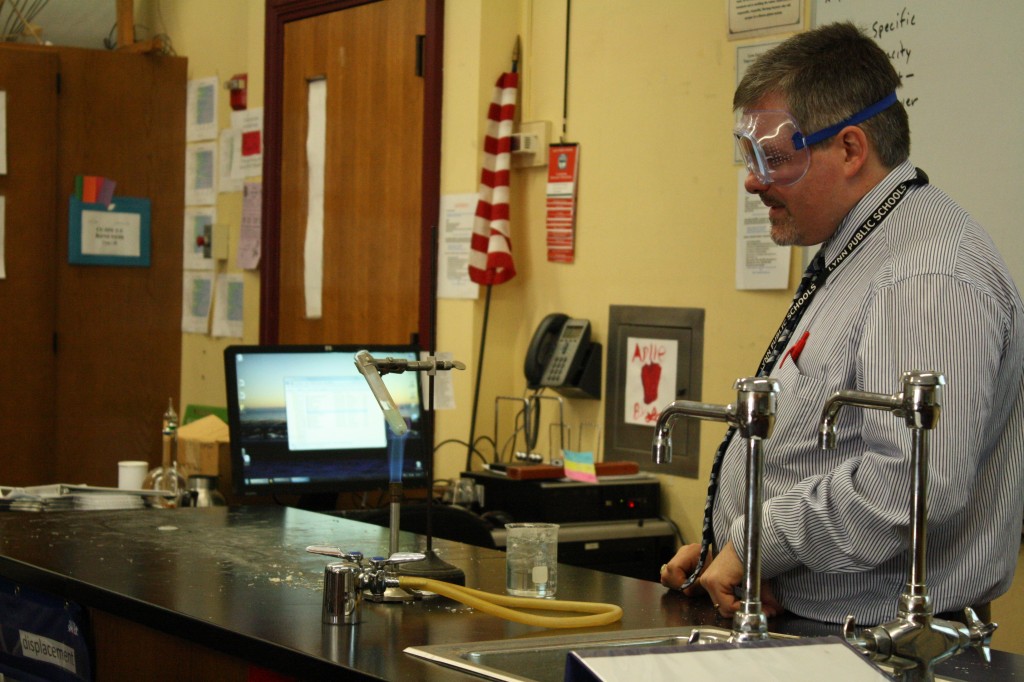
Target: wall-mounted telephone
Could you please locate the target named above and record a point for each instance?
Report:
(557, 352)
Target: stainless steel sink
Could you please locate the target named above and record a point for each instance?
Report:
(542, 659)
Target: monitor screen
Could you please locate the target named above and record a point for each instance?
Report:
(303, 420)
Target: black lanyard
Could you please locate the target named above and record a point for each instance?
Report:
(813, 281)
(817, 273)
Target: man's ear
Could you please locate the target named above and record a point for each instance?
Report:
(856, 150)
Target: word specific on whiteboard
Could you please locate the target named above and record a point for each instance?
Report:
(904, 19)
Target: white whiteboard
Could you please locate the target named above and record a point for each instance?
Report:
(961, 67)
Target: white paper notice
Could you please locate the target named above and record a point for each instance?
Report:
(106, 233)
(3, 132)
(250, 243)
(316, 140)
(760, 263)
(226, 180)
(198, 234)
(748, 18)
(650, 378)
(197, 295)
(201, 109)
(201, 174)
(457, 213)
(228, 306)
(248, 143)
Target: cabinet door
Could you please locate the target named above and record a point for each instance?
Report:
(27, 292)
(122, 116)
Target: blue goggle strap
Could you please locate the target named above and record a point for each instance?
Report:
(799, 141)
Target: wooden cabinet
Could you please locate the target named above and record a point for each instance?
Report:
(88, 354)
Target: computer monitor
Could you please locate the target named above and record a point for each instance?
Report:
(303, 420)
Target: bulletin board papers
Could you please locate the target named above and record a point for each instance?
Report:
(198, 235)
(251, 242)
(115, 234)
(563, 183)
(228, 306)
(227, 183)
(200, 174)
(749, 18)
(201, 110)
(247, 161)
(760, 263)
(222, 295)
(456, 234)
(197, 297)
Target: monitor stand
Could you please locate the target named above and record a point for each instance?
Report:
(318, 502)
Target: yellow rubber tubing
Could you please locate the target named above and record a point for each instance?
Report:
(506, 607)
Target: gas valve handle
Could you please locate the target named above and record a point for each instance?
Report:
(854, 639)
(356, 557)
(981, 633)
(396, 558)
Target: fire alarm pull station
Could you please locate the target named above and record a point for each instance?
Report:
(238, 85)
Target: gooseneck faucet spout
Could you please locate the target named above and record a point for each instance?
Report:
(753, 415)
(916, 641)
(662, 450)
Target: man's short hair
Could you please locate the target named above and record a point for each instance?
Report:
(826, 75)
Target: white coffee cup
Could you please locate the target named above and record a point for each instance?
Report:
(131, 474)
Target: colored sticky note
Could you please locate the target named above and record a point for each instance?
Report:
(579, 466)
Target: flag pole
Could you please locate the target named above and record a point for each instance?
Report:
(479, 372)
(483, 331)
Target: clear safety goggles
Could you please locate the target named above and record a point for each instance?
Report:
(776, 152)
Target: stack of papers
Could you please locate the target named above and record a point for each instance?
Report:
(63, 497)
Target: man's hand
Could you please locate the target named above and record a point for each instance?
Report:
(679, 567)
(724, 575)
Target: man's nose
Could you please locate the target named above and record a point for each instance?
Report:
(753, 185)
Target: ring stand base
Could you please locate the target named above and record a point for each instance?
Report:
(435, 568)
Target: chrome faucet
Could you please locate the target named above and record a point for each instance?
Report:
(753, 415)
(916, 641)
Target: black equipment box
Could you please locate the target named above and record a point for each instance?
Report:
(565, 501)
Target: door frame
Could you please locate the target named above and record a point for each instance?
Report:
(278, 14)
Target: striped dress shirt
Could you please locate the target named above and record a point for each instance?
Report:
(927, 290)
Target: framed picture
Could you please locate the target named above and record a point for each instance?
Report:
(655, 356)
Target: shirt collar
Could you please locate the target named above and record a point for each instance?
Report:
(865, 207)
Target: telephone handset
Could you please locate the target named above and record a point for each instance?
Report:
(557, 351)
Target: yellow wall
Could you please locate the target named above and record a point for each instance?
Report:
(650, 88)
(650, 102)
(220, 39)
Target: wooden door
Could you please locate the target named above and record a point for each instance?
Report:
(27, 292)
(376, 250)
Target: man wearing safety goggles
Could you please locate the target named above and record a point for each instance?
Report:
(904, 280)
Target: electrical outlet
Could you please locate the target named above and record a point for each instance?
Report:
(530, 144)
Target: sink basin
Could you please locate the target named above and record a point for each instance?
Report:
(542, 659)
